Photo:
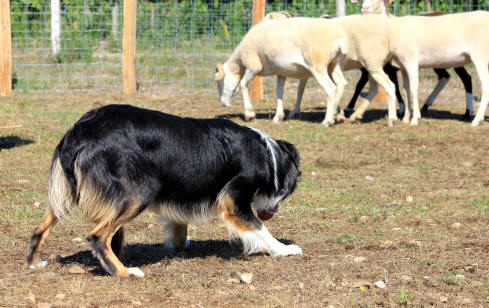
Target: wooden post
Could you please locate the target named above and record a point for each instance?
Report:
(129, 47)
(381, 95)
(5, 49)
(258, 14)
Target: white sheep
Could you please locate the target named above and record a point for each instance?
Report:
(445, 41)
(285, 48)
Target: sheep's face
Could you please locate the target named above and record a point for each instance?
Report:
(227, 84)
(375, 6)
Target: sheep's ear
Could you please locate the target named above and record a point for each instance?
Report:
(219, 76)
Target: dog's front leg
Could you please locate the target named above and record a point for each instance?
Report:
(234, 207)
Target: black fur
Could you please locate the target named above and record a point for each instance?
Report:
(131, 153)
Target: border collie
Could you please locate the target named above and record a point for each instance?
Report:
(119, 160)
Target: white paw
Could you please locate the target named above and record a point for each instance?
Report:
(42, 264)
(134, 271)
(286, 250)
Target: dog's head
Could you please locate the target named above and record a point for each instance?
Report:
(287, 173)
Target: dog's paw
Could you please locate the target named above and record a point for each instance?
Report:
(286, 250)
(41, 264)
(134, 271)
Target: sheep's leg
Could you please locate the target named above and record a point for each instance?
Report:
(407, 111)
(469, 98)
(412, 71)
(279, 91)
(329, 87)
(340, 82)
(300, 91)
(381, 78)
(358, 89)
(443, 77)
(249, 113)
(391, 71)
(374, 89)
(483, 72)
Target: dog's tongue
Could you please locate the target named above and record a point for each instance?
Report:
(265, 215)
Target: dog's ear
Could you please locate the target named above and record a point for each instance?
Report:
(291, 150)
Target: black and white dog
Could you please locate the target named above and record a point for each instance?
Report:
(118, 160)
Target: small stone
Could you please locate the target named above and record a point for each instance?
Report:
(32, 297)
(467, 164)
(363, 219)
(150, 226)
(409, 199)
(77, 240)
(456, 225)
(50, 274)
(380, 284)
(322, 256)
(136, 303)
(443, 299)
(313, 173)
(467, 301)
(406, 278)
(233, 280)
(396, 229)
(388, 244)
(37, 204)
(460, 277)
(251, 287)
(76, 270)
(369, 178)
(414, 243)
(246, 277)
(359, 259)
(44, 305)
(301, 285)
(60, 296)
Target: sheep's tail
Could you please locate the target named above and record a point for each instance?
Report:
(340, 47)
(60, 193)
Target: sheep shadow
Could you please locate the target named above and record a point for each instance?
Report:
(313, 115)
(445, 115)
(10, 142)
(137, 255)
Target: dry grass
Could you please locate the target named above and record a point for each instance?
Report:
(430, 251)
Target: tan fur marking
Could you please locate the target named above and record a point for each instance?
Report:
(101, 231)
(44, 228)
(225, 208)
(179, 232)
(92, 201)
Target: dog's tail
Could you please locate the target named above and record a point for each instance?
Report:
(61, 193)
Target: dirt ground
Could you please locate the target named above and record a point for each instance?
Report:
(405, 208)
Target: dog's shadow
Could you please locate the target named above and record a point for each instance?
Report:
(9, 142)
(137, 255)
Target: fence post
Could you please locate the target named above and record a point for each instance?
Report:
(129, 47)
(5, 49)
(258, 14)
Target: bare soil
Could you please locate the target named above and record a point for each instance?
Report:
(407, 206)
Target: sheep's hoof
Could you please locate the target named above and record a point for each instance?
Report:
(250, 116)
(340, 118)
(327, 123)
(414, 121)
(277, 120)
(475, 123)
(355, 116)
(405, 119)
(348, 111)
(293, 114)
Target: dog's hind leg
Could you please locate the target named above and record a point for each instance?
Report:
(234, 207)
(106, 235)
(38, 238)
(177, 236)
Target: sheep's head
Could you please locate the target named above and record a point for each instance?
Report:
(227, 84)
(375, 6)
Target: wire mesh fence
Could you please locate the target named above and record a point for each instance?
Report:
(178, 42)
